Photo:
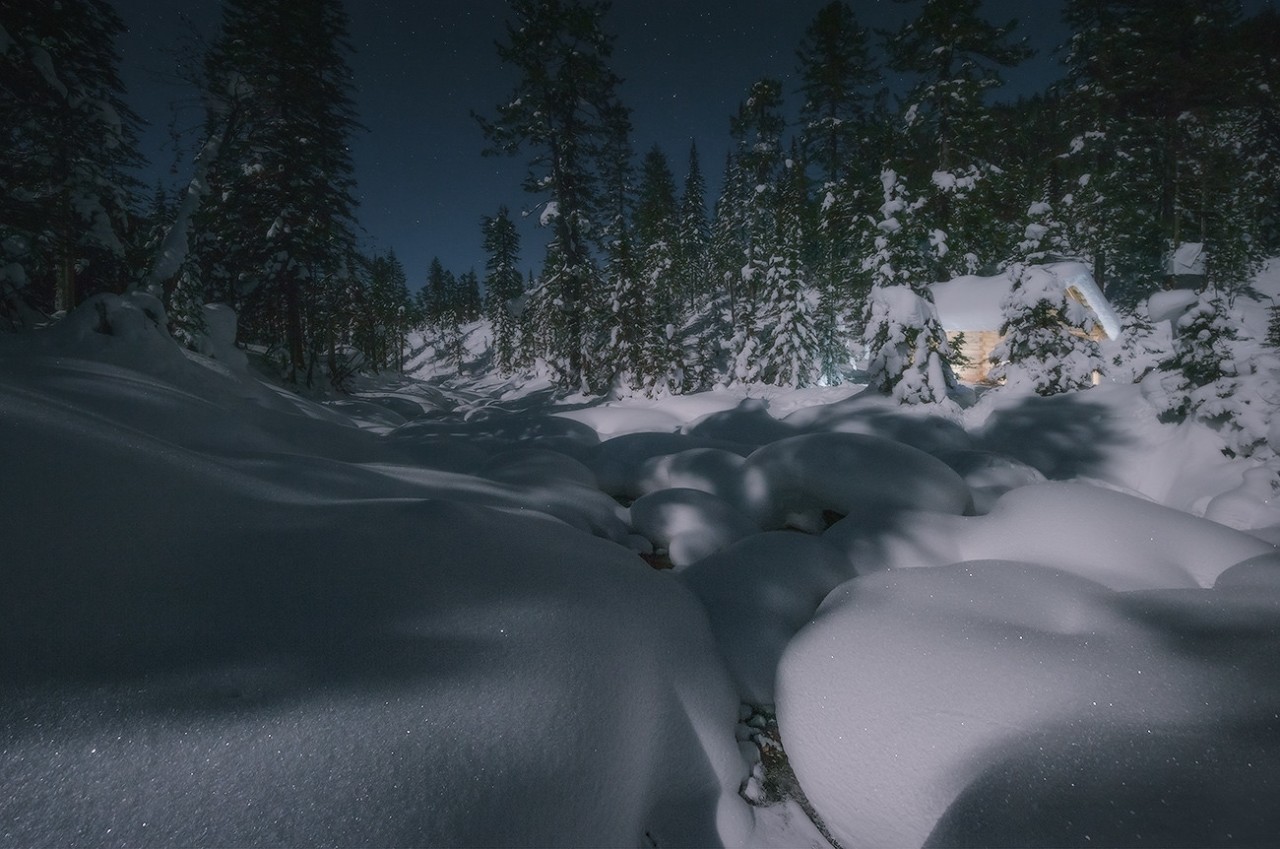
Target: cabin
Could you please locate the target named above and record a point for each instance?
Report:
(1186, 269)
(971, 306)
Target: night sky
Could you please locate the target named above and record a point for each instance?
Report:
(422, 66)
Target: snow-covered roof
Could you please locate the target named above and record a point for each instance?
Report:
(1187, 259)
(970, 302)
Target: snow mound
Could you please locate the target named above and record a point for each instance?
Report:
(749, 423)
(293, 650)
(990, 475)
(610, 421)
(689, 523)
(538, 467)
(618, 462)
(797, 479)
(712, 470)
(1170, 305)
(1117, 540)
(875, 414)
(1251, 505)
(759, 592)
(997, 703)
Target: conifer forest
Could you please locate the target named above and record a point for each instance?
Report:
(1162, 130)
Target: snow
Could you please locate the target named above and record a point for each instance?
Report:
(689, 523)
(970, 303)
(215, 636)
(417, 616)
(997, 703)
(1187, 259)
(1170, 305)
(1112, 538)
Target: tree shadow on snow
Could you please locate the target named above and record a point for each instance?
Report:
(1085, 784)
(1064, 436)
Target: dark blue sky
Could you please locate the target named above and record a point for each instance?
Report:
(422, 66)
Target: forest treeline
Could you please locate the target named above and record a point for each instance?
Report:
(1163, 130)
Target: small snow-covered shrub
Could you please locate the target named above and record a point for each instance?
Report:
(910, 355)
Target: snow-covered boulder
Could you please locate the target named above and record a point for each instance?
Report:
(1118, 540)
(712, 470)
(759, 592)
(997, 703)
(799, 478)
(617, 462)
(689, 523)
(990, 475)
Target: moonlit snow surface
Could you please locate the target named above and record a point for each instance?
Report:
(416, 615)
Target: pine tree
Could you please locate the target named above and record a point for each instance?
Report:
(1149, 92)
(388, 313)
(1204, 377)
(956, 56)
(656, 222)
(693, 270)
(843, 120)
(69, 143)
(909, 353)
(437, 293)
(757, 130)
(839, 83)
(791, 355)
(628, 323)
(1046, 343)
(278, 223)
(468, 296)
(503, 284)
(566, 111)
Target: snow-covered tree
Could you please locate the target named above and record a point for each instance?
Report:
(840, 83)
(757, 130)
(1203, 364)
(69, 144)
(503, 284)
(656, 223)
(955, 56)
(1046, 342)
(789, 333)
(565, 111)
(693, 269)
(278, 223)
(1215, 377)
(909, 355)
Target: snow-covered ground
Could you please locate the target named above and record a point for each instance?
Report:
(427, 615)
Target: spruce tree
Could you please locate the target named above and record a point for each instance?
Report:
(1046, 343)
(909, 353)
(278, 222)
(839, 85)
(656, 222)
(503, 284)
(565, 110)
(956, 56)
(70, 143)
(693, 271)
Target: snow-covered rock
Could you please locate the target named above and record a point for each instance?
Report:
(1118, 540)
(997, 703)
(689, 523)
(759, 592)
(796, 479)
